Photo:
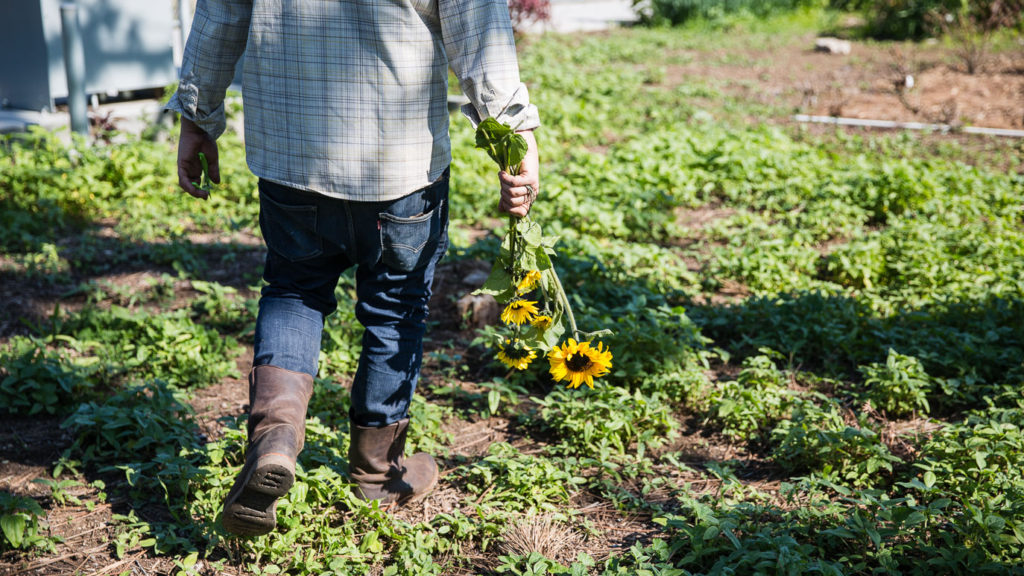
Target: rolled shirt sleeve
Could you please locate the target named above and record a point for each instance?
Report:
(220, 30)
(481, 50)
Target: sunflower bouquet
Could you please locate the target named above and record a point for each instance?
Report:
(536, 313)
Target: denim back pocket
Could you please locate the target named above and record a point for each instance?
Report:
(289, 230)
(409, 243)
(412, 228)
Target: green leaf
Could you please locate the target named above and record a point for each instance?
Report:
(493, 400)
(979, 459)
(371, 543)
(499, 283)
(531, 232)
(13, 526)
(914, 519)
(516, 148)
(489, 135)
(502, 144)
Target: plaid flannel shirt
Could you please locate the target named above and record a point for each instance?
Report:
(348, 98)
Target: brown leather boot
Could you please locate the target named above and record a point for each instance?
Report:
(277, 431)
(377, 464)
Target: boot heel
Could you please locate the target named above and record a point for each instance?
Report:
(273, 478)
(251, 507)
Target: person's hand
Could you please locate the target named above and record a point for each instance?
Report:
(519, 192)
(192, 141)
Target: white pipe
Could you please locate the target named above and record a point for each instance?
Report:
(74, 67)
(943, 128)
(184, 21)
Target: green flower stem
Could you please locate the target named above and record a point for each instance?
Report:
(565, 303)
(514, 247)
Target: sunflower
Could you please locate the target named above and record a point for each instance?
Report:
(529, 282)
(541, 321)
(519, 311)
(517, 356)
(579, 362)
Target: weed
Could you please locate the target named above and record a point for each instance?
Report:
(39, 378)
(21, 519)
(512, 481)
(899, 387)
(747, 407)
(607, 422)
(143, 345)
(817, 440)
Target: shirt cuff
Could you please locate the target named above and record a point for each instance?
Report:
(185, 101)
(516, 111)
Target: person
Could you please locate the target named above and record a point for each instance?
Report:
(346, 128)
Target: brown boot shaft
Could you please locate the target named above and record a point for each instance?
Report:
(278, 397)
(277, 431)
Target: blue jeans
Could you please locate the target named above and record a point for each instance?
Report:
(394, 245)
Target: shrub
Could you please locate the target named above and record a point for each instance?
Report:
(525, 12)
(915, 19)
(676, 12)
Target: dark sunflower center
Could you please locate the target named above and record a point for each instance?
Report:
(516, 354)
(578, 362)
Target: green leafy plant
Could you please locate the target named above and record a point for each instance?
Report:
(817, 440)
(612, 422)
(899, 387)
(532, 564)
(36, 378)
(206, 184)
(145, 345)
(20, 521)
(508, 480)
(747, 407)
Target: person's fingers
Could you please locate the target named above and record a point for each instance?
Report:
(185, 182)
(525, 190)
(508, 180)
(509, 202)
(213, 162)
(517, 206)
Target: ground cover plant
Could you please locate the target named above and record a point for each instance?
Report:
(818, 338)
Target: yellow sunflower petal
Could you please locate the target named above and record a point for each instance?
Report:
(579, 362)
(516, 356)
(519, 311)
(529, 282)
(542, 321)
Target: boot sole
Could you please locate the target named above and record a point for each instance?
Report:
(411, 498)
(253, 511)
